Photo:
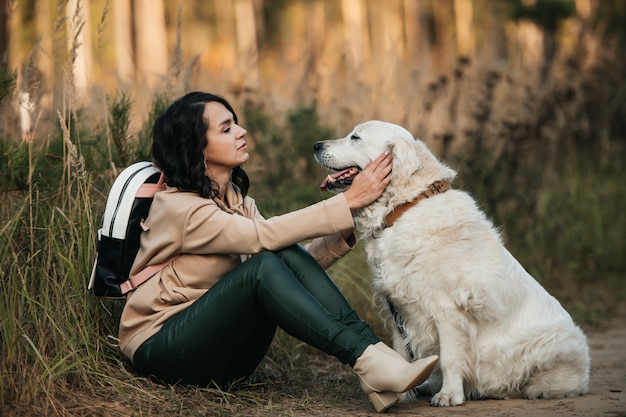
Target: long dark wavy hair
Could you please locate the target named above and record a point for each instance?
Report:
(179, 137)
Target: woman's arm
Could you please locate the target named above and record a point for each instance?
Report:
(208, 229)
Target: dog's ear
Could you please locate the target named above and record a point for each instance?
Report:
(405, 160)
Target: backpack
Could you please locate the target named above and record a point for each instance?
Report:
(126, 209)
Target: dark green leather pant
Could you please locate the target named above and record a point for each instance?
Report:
(225, 334)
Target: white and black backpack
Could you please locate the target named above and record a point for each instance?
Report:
(127, 207)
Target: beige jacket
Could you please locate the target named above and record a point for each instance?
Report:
(212, 238)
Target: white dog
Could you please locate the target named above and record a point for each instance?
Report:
(443, 274)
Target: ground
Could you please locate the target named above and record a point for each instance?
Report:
(317, 386)
(607, 396)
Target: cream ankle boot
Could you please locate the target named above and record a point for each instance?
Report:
(383, 373)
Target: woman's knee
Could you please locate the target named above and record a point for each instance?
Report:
(294, 251)
(266, 259)
(268, 264)
(258, 271)
(298, 258)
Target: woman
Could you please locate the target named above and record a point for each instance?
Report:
(210, 315)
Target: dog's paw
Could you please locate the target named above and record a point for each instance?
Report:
(447, 399)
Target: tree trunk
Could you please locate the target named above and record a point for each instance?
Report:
(490, 29)
(416, 32)
(59, 56)
(388, 48)
(356, 32)
(316, 28)
(248, 53)
(5, 33)
(387, 26)
(442, 13)
(79, 40)
(222, 54)
(464, 14)
(43, 23)
(584, 9)
(529, 38)
(151, 42)
(122, 27)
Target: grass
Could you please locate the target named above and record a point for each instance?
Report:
(552, 183)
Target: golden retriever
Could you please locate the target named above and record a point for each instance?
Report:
(443, 275)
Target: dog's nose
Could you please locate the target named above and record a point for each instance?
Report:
(318, 146)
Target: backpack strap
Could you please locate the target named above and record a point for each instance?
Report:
(146, 190)
(143, 275)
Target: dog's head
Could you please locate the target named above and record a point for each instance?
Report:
(348, 156)
(414, 166)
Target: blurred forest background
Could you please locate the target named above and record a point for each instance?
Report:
(526, 98)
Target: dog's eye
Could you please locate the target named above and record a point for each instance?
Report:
(355, 137)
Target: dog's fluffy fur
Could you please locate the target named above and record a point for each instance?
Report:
(456, 291)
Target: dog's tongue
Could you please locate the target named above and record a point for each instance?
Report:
(333, 177)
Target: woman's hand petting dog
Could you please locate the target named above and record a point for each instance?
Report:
(370, 183)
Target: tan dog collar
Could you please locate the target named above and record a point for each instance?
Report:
(435, 188)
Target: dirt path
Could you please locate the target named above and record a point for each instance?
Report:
(607, 396)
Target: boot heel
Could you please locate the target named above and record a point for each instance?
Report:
(383, 400)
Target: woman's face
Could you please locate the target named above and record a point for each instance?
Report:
(226, 147)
